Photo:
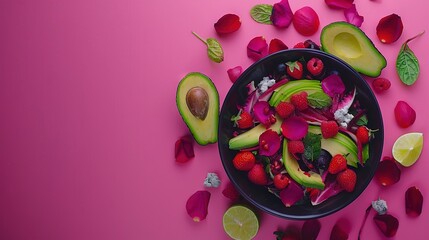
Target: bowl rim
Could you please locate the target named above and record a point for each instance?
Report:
(377, 155)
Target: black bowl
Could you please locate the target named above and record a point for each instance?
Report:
(259, 195)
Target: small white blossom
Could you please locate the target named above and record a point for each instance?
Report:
(343, 117)
(380, 206)
(212, 180)
(265, 84)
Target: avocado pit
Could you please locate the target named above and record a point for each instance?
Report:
(197, 101)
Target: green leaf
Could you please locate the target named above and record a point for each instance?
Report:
(214, 49)
(261, 13)
(407, 64)
(312, 146)
(319, 100)
(363, 121)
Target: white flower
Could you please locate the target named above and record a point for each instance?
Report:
(343, 117)
(212, 180)
(380, 206)
(265, 84)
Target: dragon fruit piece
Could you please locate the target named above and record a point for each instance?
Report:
(264, 113)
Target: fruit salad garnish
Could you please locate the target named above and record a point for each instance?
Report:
(303, 139)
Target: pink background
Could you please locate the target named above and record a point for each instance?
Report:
(89, 121)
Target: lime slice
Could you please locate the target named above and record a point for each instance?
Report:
(407, 148)
(240, 222)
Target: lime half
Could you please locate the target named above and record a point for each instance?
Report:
(407, 148)
(240, 222)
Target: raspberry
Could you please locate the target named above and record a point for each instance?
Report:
(347, 180)
(329, 129)
(280, 181)
(380, 85)
(338, 163)
(299, 100)
(315, 66)
(285, 109)
(295, 147)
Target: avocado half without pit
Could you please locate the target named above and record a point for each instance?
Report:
(352, 45)
(197, 100)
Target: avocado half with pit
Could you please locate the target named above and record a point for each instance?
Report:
(352, 45)
(197, 100)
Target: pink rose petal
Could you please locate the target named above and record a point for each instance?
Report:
(294, 128)
(276, 45)
(405, 115)
(184, 149)
(352, 16)
(387, 224)
(269, 143)
(234, 73)
(197, 205)
(264, 113)
(228, 23)
(291, 194)
(342, 4)
(257, 48)
(282, 14)
(333, 85)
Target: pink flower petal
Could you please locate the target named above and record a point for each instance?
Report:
(291, 194)
(306, 21)
(184, 149)
(389, 28)
(231, 192)
(257, 48)
(352, 16)
(405, 115)
(387, 224)
(282, 14)
(264, 113)
(269, 143)
(413, 202)
(197, 205)
(342, 4)
(333, 85)
(234, 73)
(227, 24)
(276, 45)
(294, 128)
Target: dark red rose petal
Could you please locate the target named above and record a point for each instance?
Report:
(227, 24)
(341, 4)
(339, 232)
(184, 149)
(231, 192)
(413, 202)
(197, 205)
(234, 73)
(387, 173)
(276, 45)
(257, 48)
(389, 28)
(387, 224)
(310, 229)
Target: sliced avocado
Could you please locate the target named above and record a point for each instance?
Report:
(197, 100)
(250, 138)
(340, 144)
(352, 45)
(284, 92)
(307, 179)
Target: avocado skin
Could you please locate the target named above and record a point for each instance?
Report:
(203, 131)
(370, 63)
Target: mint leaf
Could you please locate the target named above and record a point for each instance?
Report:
(261, 13)
(407, 64)
(319, 100)
(312, 146)
(363, 121)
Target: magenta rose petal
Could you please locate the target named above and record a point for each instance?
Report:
(405, 115)
(184, 149)
(234, 73)
(197, 205)
(228, 23)
(340, 4)
(352, 16)
(387, 224)
(291, 194)
(333, 85)
(413, 202)
(387, 173)
(264, 113)
(310, 229)
(257, 48)
(276, 45)
(281, 15)
(389, 28)
(306, 21)
(294, 128)
(269, 143)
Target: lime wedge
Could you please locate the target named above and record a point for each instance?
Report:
(239, 222)
(407, 148)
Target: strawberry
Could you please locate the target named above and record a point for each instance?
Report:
(299, 45)
(257, 175)
(315, 66)
(362, 134)
(329, 129)
(347, 180)
(243, 120)
(280, 181)
(295, 147)
(294, 69)
(244, 161)
(380, 85)
(338, 163)
(285, 109)
(231, 192)
(299, 100)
